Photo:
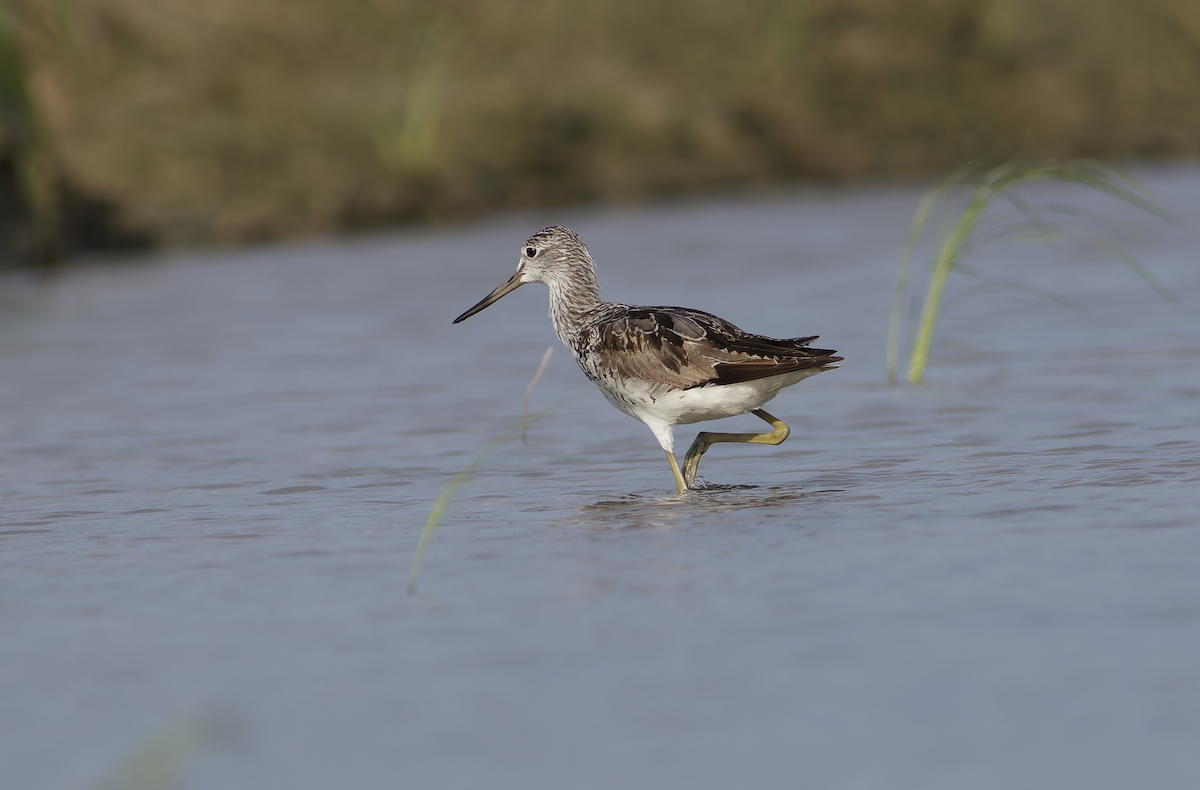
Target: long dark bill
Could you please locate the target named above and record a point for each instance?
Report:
(511, 284)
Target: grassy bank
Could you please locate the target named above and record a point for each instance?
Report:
(226, 120)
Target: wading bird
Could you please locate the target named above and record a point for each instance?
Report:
(664, 366)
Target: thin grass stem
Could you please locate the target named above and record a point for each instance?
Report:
(443, 499)
(529, 390)
(947, 253)
(466, 473)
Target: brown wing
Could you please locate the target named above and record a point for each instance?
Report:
(643, 344)
(681, 348)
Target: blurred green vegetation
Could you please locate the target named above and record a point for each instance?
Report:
(164, 756)
(205, 121)
(27, 208)
(43, 213)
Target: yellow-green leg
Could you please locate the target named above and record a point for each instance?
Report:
(675, 471)
(704, 440)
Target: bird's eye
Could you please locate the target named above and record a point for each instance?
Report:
(530, 252)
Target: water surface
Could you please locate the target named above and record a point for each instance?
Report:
(216, 468)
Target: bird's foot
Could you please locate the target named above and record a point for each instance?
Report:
(691, 462)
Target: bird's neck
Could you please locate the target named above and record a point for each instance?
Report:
(570, 300)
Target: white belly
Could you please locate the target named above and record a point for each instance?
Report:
(654, 406)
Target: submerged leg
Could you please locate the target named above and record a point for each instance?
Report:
(675, 471)
(704, 440)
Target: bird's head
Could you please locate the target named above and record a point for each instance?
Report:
(553, 256)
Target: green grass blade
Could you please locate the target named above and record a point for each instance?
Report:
(963, 230)
(1126, 196)
(1033, 290)
(948, 253)
(162, 759)
(929, 202)
(438, 510)
(1015, 231)
(1137, 268)
(529, 390)
(443, 499)
(924, 209)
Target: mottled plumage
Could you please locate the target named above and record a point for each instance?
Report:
(664, 366)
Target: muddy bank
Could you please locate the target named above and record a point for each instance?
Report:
(223, 121)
